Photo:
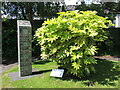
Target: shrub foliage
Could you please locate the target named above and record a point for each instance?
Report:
(70, 39)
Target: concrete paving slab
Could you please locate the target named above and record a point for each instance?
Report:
(15, 75)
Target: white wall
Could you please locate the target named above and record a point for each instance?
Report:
(117, 23)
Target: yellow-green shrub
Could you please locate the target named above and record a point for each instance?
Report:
(70, 39)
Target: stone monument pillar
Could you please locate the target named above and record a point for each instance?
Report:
(24, 47)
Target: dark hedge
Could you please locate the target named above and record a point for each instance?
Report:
(9, 41)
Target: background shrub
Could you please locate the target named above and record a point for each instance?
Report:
(9, 41)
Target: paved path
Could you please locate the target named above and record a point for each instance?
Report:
(3, 68)
(15, 75)
(114, 58)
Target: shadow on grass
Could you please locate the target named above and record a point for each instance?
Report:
(105, 74)
(40, 72)
(41, 62)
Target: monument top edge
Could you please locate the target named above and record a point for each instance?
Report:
(23, 23)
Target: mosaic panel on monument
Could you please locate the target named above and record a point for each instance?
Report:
(24, 47)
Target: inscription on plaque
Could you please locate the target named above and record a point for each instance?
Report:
(24, 47)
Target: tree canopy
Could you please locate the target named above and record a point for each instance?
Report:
(28, 10)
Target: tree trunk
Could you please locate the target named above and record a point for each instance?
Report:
(29, 12)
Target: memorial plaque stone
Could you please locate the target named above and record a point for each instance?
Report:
(24, 47)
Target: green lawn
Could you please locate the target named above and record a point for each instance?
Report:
(106, 76)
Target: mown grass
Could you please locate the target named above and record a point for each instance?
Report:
(106, 76)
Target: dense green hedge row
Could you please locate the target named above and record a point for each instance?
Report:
(115, 37)
(9, 41)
